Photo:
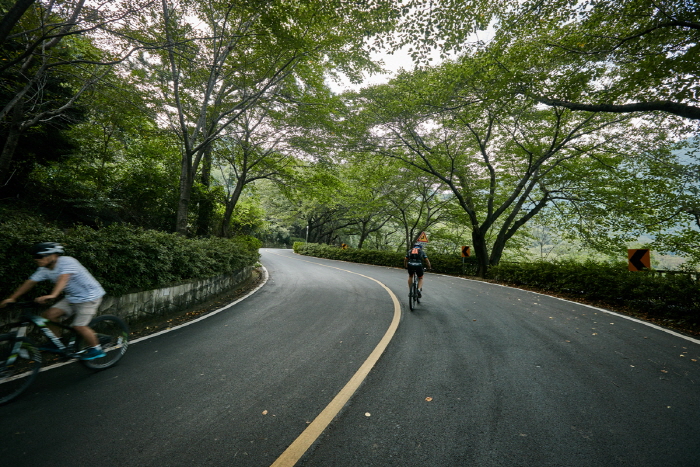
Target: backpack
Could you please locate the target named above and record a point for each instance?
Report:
(415, 257)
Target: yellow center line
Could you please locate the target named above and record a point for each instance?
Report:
(300, 445)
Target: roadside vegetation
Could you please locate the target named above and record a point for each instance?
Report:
(527, 131)
(669, 299)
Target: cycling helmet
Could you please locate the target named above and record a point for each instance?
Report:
(46, 248)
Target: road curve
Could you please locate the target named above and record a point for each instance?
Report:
(478, 375)
(235, 389)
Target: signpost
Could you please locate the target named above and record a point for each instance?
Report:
(639, 259)
(423, 238)
(466, 251)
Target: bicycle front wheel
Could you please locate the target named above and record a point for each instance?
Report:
(17, 370)
(113, 335)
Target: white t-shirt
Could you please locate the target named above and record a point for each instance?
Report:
(81, 286)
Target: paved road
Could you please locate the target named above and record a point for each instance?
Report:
(478, 375)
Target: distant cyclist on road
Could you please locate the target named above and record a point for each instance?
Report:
(83, 292)
(414, 263)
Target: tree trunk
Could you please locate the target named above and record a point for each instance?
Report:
(206, 203)
(481, 252)
(183, 205)
(12, 17)
(8, 149)
(230, 206)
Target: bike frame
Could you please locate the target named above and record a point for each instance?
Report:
(19, 329)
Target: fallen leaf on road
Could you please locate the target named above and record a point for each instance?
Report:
(264, 412)
(428, 399)
(367, 414)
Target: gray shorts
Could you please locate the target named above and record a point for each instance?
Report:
(82, 312)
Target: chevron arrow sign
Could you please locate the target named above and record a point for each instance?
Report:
(639, 260)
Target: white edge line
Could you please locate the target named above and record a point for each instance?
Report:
(614, 313)
(208, 315)
(174, 328)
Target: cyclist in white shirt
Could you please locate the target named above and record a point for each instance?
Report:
(83, 294)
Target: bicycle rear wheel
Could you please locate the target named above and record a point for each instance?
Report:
(17, 371)
(413, 295)
(113, 335)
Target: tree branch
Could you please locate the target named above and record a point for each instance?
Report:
(675, 108)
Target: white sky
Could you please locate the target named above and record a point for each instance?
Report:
(392, 63)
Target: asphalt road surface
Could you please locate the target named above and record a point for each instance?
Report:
(477, 375)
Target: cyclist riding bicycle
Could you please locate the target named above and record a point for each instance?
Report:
(414, 263)
(83, 294)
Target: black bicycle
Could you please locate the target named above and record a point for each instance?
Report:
(413, 293)
(20, 355)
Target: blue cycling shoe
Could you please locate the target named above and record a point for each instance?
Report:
(93, 353)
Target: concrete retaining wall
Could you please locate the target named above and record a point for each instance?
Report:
(159, 302)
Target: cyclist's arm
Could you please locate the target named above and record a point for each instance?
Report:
(21, 290)
(405, 263)
(57, 289)
(427, 262)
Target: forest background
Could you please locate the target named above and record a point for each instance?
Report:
(571, 132)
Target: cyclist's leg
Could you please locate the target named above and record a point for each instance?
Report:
(420, 278)
(84, 312)
(410, 277)
(54, 314)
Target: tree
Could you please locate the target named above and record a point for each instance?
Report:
(253, 151)
(48, 60)
(639, 55)
(504, 158)
(420, 204)
(223, 58)
(122, 167)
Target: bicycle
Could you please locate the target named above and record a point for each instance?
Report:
(413, 294)
(21, 359)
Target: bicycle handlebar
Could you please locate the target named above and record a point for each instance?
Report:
(22, 304)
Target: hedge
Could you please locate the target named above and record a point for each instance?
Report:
(123, 258)
(666, 297)
(670, 297)
(443, 264)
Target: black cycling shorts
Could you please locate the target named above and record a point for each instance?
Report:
(415, 269)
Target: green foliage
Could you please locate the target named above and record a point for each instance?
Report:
(123, 258)
(670, 297)
(667, 297)
(443, 264)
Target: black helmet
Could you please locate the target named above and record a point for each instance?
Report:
(47, 248)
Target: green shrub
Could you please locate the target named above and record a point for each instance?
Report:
(123, 258)
(444, 264)
(675, 297)
(666, 297)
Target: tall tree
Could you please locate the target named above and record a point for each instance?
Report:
(253, 150)
(504, 158)
(642, 55)
(223, 58)
(49, 58)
